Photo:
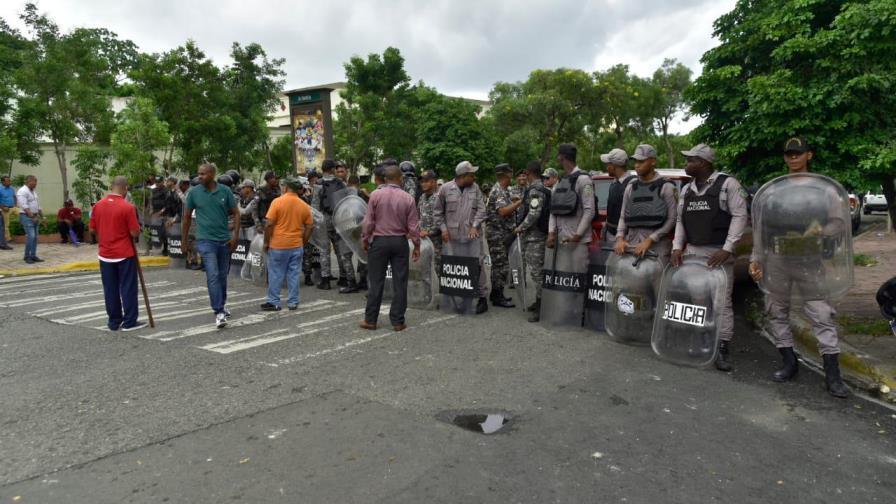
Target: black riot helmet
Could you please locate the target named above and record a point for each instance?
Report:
(235, 177)
(407, 168)
(225, 180)
(886, 299)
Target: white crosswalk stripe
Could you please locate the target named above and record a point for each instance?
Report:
(63, 297)
(55, 285)
(93, 304)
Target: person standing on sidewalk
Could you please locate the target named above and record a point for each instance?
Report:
(213, 204)
(712, 216)
(30, 216)
(7, 205)
(115, 224)
(807, 271)
(390, 220)
(288, 227)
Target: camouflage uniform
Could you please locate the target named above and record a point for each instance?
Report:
(311, 257)
(533, 238)
(518, 192)
(426, 209)
(498, 232)
(411, 186)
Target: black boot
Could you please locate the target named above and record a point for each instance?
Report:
(342, 282)
(350, 287)
(498, 299)
(790, 368)
(723, 363)
(482, 307)
(324, 283)
(536, 311)
(308, 279)
(832, 379)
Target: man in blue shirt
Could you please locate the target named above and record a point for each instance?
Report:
(214, 241)
(7, 204)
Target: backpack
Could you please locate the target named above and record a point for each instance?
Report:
(565, 199)
(328, 197)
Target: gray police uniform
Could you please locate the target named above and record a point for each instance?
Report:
(533, 236)
(649, 210)
(458, 211)
(578, 223)
(712, 218)
(499, 231)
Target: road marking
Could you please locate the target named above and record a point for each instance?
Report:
(11, 290)
(239, 344)
(93, 304)
(255, 318)
(31, 279)
(102, 314)
(352, 343)
(191, 313)
(63, 297)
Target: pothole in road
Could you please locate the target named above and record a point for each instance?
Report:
(480, 423)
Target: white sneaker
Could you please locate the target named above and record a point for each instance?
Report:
(220, 320)
(139, 325)
(226, 313)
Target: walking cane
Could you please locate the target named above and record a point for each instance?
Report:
(152, 323)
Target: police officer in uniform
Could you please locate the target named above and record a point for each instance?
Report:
(649, 209)
(533, 231)
(797, 154)
(460, 213)
(267, 193)
(426, 208)
(500, 210)
(712, 216)
(409, 181)
(576, 226)
(616, 162)
(329, 186)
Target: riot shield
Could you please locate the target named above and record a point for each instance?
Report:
(419, 277)
(459, 278)
(563, 290)
(803, 238)
(347, 218)
(156, 231)
(175, 252)
(254, 267)
(319, 234)
(519, 275)
(598, 293)
(633, 281)
(686, 330)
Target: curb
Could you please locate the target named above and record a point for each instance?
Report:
(81, 266)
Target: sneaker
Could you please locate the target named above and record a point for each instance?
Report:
(226, 313)
(270, 307)
(293, 307)
(138, 325)
(220, 320)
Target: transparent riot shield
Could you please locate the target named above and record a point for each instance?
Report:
(254, 267)
(459, 278)
(686, 329)
(519, 276)
(347, 218)
(175, 250)
(803, 238)
(634, 282)
(419, 277)
(563, 290)
(598, 292)
(319, 234)
(238, 257)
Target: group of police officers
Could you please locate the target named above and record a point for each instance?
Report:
(646, 215)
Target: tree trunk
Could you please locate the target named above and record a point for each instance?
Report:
(668, 145)
(889, 186)
(59, 149)
(618, 130)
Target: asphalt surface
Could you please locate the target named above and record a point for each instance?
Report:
(306, 407)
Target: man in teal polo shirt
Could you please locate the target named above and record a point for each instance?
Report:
(214, 241)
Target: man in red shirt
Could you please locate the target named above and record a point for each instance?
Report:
(114, 221)
(68, 219)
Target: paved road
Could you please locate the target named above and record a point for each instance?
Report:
(869, 221)
(305, 407)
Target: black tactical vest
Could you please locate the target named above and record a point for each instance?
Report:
(646, 209)
(614, 202)
(545, 215)
(704, 220)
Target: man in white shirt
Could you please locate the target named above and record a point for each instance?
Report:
(30, 217)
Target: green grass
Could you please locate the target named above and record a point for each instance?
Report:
(864, 260)
(870, 327)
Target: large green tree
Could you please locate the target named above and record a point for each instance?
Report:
(629, 103)
(813, 67)
(64, 83)
(670, 81)
(139, 135)
(12, 131)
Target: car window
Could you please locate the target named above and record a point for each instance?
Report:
(602, 189)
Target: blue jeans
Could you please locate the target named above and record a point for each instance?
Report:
(216, 258)
(120, 292)
(284, 262)
(30, 226)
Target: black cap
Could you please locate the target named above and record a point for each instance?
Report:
(428, 175)
(797, 144)
(268, 175)
(328, 165)
(568, 151)
(503, 168)
(534, 167)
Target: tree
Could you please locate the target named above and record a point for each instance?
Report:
(64, 83)
(91, 164)
(12, 46)
(821, 69)
(139, 134)
(630, 103)
(281, 156)
(670, 81)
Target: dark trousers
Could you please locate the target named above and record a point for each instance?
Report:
(385, 251)
(77, 225)
(120, 292)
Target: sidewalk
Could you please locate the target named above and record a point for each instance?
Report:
(59, 258)
(868, 346)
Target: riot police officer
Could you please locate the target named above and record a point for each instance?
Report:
(533, 231)
(616, 162)
(500, 210)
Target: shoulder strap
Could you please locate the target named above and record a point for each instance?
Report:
(716, 188)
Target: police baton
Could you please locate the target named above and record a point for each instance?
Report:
(152, 323)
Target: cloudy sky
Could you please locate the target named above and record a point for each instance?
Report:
(462, 47)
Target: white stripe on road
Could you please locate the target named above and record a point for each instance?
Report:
(63, 297)
(102, 314)
(93, 304)
(31, 279)
(165, 316)
(255, 318)
(13, 290)
(236, 345)
(352, 343)
(156, 315)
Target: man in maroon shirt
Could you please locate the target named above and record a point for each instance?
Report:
(390, 220)
(68, 218)
(114, 221)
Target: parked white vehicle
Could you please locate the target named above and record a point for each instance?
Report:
(875, 203)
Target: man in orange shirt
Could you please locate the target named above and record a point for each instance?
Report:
(288, 226)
